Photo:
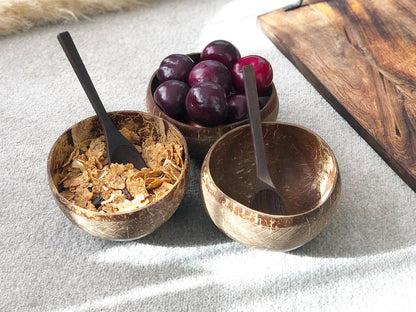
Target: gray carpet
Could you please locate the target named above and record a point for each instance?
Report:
(365, 260)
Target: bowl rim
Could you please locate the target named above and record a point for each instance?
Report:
(69, 204)
(259, 213)
(189, 127)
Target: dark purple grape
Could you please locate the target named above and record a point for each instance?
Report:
(97, 201)
(221, 51)
(263, 101)
(206, 104)
(175, 67)
(237, 107)
(213, 71)
(127, 194)
(170, 96)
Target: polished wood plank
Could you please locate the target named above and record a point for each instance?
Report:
(361, 57)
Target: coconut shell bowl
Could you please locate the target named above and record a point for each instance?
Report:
(125, 225)
(303, 169)
(200, 138)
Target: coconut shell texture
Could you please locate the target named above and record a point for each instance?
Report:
(125, 225)
(303, 169)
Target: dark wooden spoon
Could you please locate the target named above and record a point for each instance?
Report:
(119, 149)
(265, 197)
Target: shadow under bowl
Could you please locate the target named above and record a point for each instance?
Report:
(303, 169)
(200, 138)
(127, 225)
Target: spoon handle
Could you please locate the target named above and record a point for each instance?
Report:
(255, 121)
(84, 78)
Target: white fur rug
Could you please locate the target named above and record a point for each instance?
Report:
(17, 15)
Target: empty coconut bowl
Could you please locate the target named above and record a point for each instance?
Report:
(303, 169)
(127, 225)
(200, 138)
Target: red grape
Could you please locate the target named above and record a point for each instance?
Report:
(262, 70)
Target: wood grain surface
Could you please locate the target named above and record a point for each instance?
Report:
(361, 56)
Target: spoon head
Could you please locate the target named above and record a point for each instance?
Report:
(268, 201)
(125, 154)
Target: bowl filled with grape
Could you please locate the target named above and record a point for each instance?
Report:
(202, 94)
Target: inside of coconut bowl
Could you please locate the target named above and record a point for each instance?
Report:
(302, 167)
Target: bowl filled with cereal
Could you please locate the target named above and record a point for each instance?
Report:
(116, 201)
(202, 94)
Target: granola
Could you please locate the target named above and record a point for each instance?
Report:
(88, 180)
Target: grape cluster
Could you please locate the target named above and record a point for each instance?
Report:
(210, 92)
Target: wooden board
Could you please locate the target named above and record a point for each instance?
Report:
(361, 56)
